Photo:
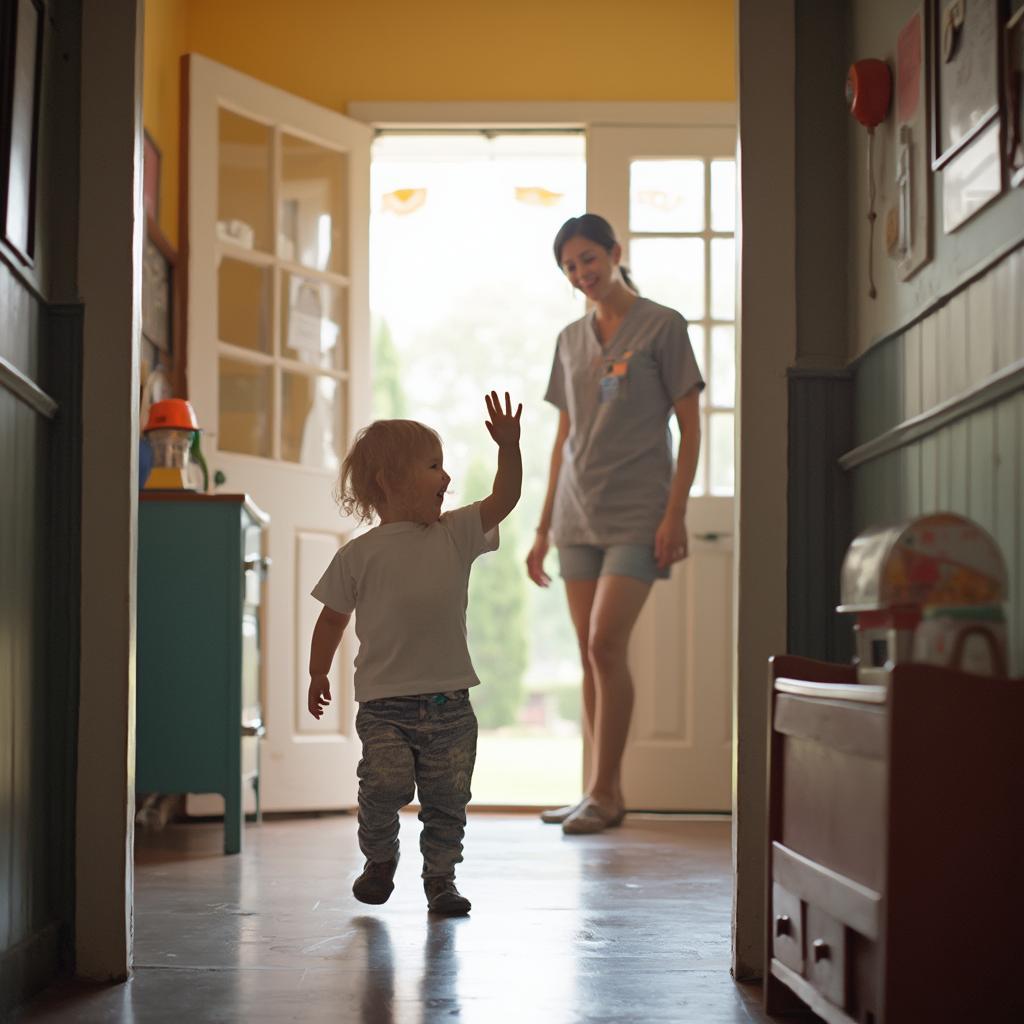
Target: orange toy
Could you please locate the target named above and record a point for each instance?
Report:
(171, 414)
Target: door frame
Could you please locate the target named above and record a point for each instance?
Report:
(109, 283)
(554, 115)
(709, 117)
(757, 630)
(111, 60)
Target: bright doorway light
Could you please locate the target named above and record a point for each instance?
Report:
(466, 298)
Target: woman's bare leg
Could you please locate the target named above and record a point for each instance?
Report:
(617, 603)
(580, 595)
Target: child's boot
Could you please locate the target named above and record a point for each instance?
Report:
(444, 898)
(376, 883)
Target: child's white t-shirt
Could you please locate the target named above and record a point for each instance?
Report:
(408, 584)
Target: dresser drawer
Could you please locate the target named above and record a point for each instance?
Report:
(839, 930)
(826, 954)
(787, 928)
(831, 776)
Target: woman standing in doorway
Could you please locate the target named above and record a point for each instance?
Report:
(615, 505)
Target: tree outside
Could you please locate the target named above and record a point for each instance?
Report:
(388, 396)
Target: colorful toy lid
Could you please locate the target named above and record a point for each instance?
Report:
(940, 559)
(171, 414)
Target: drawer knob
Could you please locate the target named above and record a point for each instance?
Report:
(821, 950)
(783, 925)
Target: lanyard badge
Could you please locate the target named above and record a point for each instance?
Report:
(613, 381)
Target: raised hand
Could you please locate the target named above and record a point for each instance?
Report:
(502, 424)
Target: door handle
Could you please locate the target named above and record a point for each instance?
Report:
(712, 535)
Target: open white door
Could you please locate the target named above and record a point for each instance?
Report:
(669, 192)
(279, 373)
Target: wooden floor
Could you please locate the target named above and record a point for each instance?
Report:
(630, 925)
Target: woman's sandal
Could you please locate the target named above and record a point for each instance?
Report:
(558, 814)
(589, 818)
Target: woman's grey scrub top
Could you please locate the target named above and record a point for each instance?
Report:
(617, 460)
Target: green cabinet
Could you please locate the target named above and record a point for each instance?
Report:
(198, 717)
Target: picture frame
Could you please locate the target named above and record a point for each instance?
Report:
(910, 216)
(151, 158)
(966, 82)
(1013, 87)
(159, 299)
(21, 69)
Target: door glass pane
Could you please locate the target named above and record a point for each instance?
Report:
(245, 407)
(243, 305)
(723, 279)
(314, 181)
(720, 445)
(311, 420)
(723, 195)
(723, 366)
(670, 271)
(243, 186)
(312, 315)
(666, 195)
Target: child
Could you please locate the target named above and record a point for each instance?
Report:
(407, 581)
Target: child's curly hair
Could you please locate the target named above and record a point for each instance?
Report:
(385, 447)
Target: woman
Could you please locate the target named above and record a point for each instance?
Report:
(614, 507)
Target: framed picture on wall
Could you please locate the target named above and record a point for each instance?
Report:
(908, 223)
(965, 50)
(1013, 64)
(159, 323)
(21, 64)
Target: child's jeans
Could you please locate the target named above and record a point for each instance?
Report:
(428, 741)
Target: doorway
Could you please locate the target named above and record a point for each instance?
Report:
(465, 298)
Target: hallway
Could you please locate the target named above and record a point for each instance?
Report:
(632, 925)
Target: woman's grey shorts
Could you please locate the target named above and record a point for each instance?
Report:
(588, 562)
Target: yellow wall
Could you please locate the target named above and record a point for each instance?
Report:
(336, 51)
(163, 45)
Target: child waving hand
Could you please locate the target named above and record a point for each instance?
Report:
(406, 581)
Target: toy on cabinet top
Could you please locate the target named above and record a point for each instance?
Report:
(170, 431)
(930, 589)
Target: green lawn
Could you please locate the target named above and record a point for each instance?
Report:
(541, 771)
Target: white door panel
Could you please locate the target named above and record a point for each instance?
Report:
(677, 241)
(279, 373)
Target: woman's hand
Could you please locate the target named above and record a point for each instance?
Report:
(535, 560)
(671, 543)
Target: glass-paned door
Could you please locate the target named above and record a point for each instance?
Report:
(278, 328)
(670, 194)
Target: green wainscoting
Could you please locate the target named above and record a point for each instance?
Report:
(40, 441)
(820, 431)
(971, 463)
